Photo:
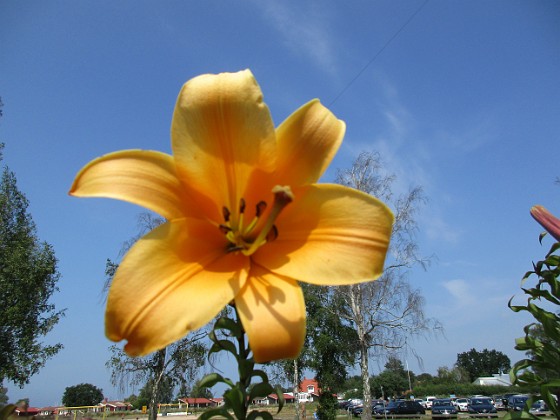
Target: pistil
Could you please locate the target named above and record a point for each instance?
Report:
(260, 230)
(282, 197)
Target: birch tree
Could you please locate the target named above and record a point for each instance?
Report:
(388, 312)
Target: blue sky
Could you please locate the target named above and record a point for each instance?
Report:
(463, 101)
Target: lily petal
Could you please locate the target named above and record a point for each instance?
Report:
(142, 177)
(272, 311)
(307, 142)
(172, 281)
(329, 235)
(547, 220)
(222, 134)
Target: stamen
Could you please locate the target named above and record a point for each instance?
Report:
(224, 229)
(273, 234)
(226, 213)
(233, 248)
(261, 207)
(282, 197)
(242, 206)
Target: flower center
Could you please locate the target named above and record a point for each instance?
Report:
(248, 237)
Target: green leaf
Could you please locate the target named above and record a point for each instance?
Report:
(261, 389)
(261, 374)
(229, 324)
(281, 399)
(7, 411)
(234, 399)
(226, 345)
(216, 412)
(259, 414)
(212, 379)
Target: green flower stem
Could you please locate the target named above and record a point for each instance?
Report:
(238, 398)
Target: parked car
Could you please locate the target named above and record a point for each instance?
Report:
(374, 404)
(404, 407)
(462, 404)
(356, 409)
(428, 402)
(482, 405)
(538, 408)
(517, 402)
(379, 408)
(499, 402)
(443, 407)
(343, 405)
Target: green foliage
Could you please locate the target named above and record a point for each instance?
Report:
(82, 395)
(332, 342)
(483, 363)
(28, 278)
(328, 406)
(133, 399)
(542, 367)
(7, 411)
(3, 396)
(228, 336)
(392, 382)
(423, 379)
(198, 391)
(465, 389)
(353, 387)
(389, 384)
(452, 376)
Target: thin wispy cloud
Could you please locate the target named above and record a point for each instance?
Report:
(461, 291)
(437, 229)
(304, 32)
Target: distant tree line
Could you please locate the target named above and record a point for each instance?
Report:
(396, 382)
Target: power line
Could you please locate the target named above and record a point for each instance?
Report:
(378, 53)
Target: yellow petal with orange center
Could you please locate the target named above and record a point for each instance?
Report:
(272, 310)
(329, 235)
(142, 177)
(307, 142)
(172, 281)
(222, 135)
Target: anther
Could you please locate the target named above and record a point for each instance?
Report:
(226, 213)
(241, 206)
(272, 234)
(282, 197)
(261, 207)
(224, 229)
(234, 248)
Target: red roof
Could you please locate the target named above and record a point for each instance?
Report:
(305, 383)
(31, 411)
(286, 397)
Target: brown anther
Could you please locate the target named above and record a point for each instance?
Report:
(224, 229)
(242, 206)
(226, 213)
(272, 234)
(233, 248)
(261, 207)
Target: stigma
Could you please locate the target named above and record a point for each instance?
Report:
(248, 237)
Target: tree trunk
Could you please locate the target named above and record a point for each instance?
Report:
(296, 388)
(158, 374)
(364, 367)
(355, 293)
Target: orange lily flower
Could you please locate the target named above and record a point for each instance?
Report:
(547, 220)
(245, 217)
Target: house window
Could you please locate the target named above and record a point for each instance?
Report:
(310, 388)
